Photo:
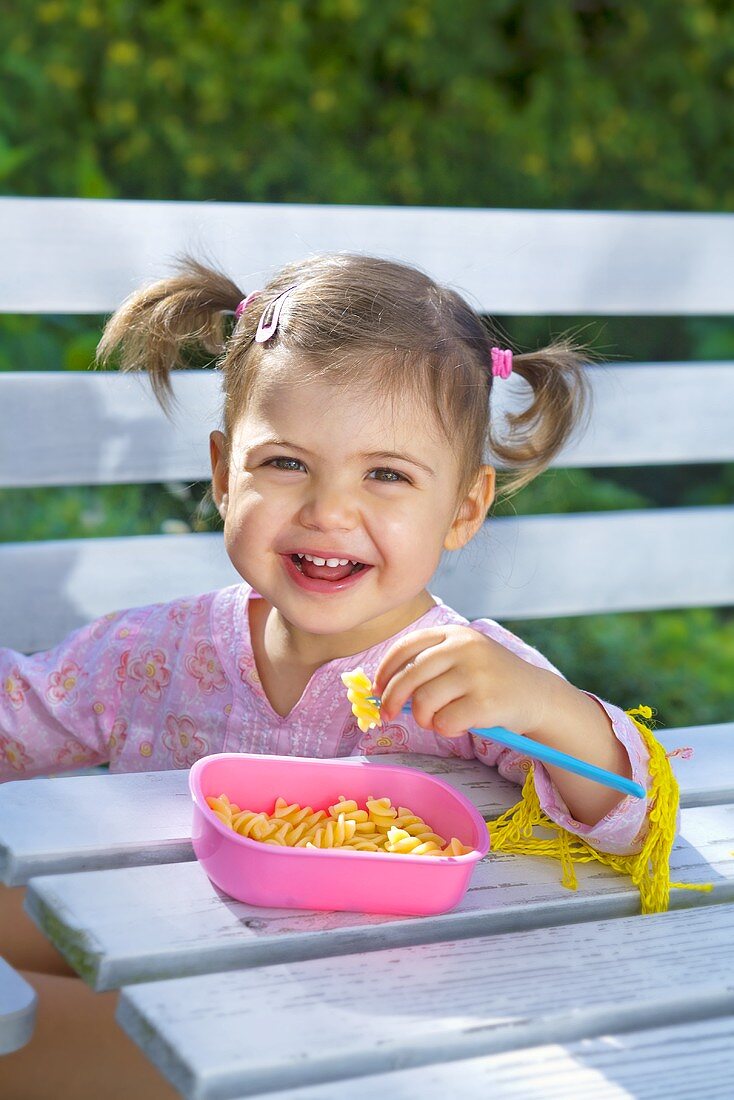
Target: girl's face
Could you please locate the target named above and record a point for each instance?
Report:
(330, 489)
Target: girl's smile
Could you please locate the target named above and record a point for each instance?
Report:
(314, 577)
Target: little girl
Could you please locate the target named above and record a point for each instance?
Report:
(355, 425)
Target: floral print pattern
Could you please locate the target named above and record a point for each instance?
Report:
(73, 754)
(151, 669)
(117, 739)
(183, 741)
(99, 628)
(13, 756)
(63, 683)
(385, 738)
(121, 670)
(204, 666)
(15, 686)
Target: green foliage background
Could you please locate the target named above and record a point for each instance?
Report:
(577, 105)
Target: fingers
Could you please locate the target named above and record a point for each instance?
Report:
(414, 680)
(426, 667)
(455, 718)
(405, 651)
(434, 699)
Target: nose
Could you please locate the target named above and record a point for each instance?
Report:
(329, 508)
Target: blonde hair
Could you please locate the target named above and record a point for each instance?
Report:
(359, 321)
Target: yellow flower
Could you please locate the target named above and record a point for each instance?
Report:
(323, 99)
(123, 53)
(50, 13)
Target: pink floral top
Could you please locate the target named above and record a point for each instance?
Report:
(157, 687)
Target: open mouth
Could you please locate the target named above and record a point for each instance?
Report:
(338, 571)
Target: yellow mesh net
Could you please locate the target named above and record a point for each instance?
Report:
(649, 869)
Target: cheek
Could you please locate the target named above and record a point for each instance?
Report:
(395, 524)
(251, 513)
(241, 514)
(412, 530)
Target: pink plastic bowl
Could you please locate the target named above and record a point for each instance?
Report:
(307, 878)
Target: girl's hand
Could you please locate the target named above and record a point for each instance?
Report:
(458, 678)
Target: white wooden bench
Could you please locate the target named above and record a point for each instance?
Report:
(75, 256)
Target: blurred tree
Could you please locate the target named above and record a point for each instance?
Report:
(588, 104)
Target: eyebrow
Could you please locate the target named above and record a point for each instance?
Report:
(366, 454)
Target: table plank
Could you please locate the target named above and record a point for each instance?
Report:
(707, 777)
(224, 1035)
(118, 927)
(75, 823)
(18, 1009)
(56, 826)
(692, 1059)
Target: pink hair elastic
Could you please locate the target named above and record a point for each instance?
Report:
(501, 362)
(268, 324)
(244, 304)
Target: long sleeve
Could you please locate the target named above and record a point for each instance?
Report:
(58, 707)
(622, 830)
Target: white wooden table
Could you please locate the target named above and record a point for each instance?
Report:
(525, 989)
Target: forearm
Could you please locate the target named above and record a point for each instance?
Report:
(576, 724)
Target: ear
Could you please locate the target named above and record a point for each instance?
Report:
(472, 511)
(220, 471)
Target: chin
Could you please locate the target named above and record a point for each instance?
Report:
(323, 620)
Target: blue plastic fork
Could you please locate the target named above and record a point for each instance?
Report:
(549, 756)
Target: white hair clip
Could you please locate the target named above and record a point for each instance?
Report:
(268, 322)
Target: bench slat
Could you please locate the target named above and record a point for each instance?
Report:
(581, 564)
(691, 1059)
(224, 1035)
(105, 428)
(48, 589)
(526, 567)
(52, 841)
(118, 927)
(86, 255)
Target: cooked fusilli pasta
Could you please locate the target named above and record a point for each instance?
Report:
(359, 686)
(376, 827)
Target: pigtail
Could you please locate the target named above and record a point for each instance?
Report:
(561, 403)
(156, 325)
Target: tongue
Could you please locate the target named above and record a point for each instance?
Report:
(325, 572)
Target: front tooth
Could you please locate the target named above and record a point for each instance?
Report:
(333, 562)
